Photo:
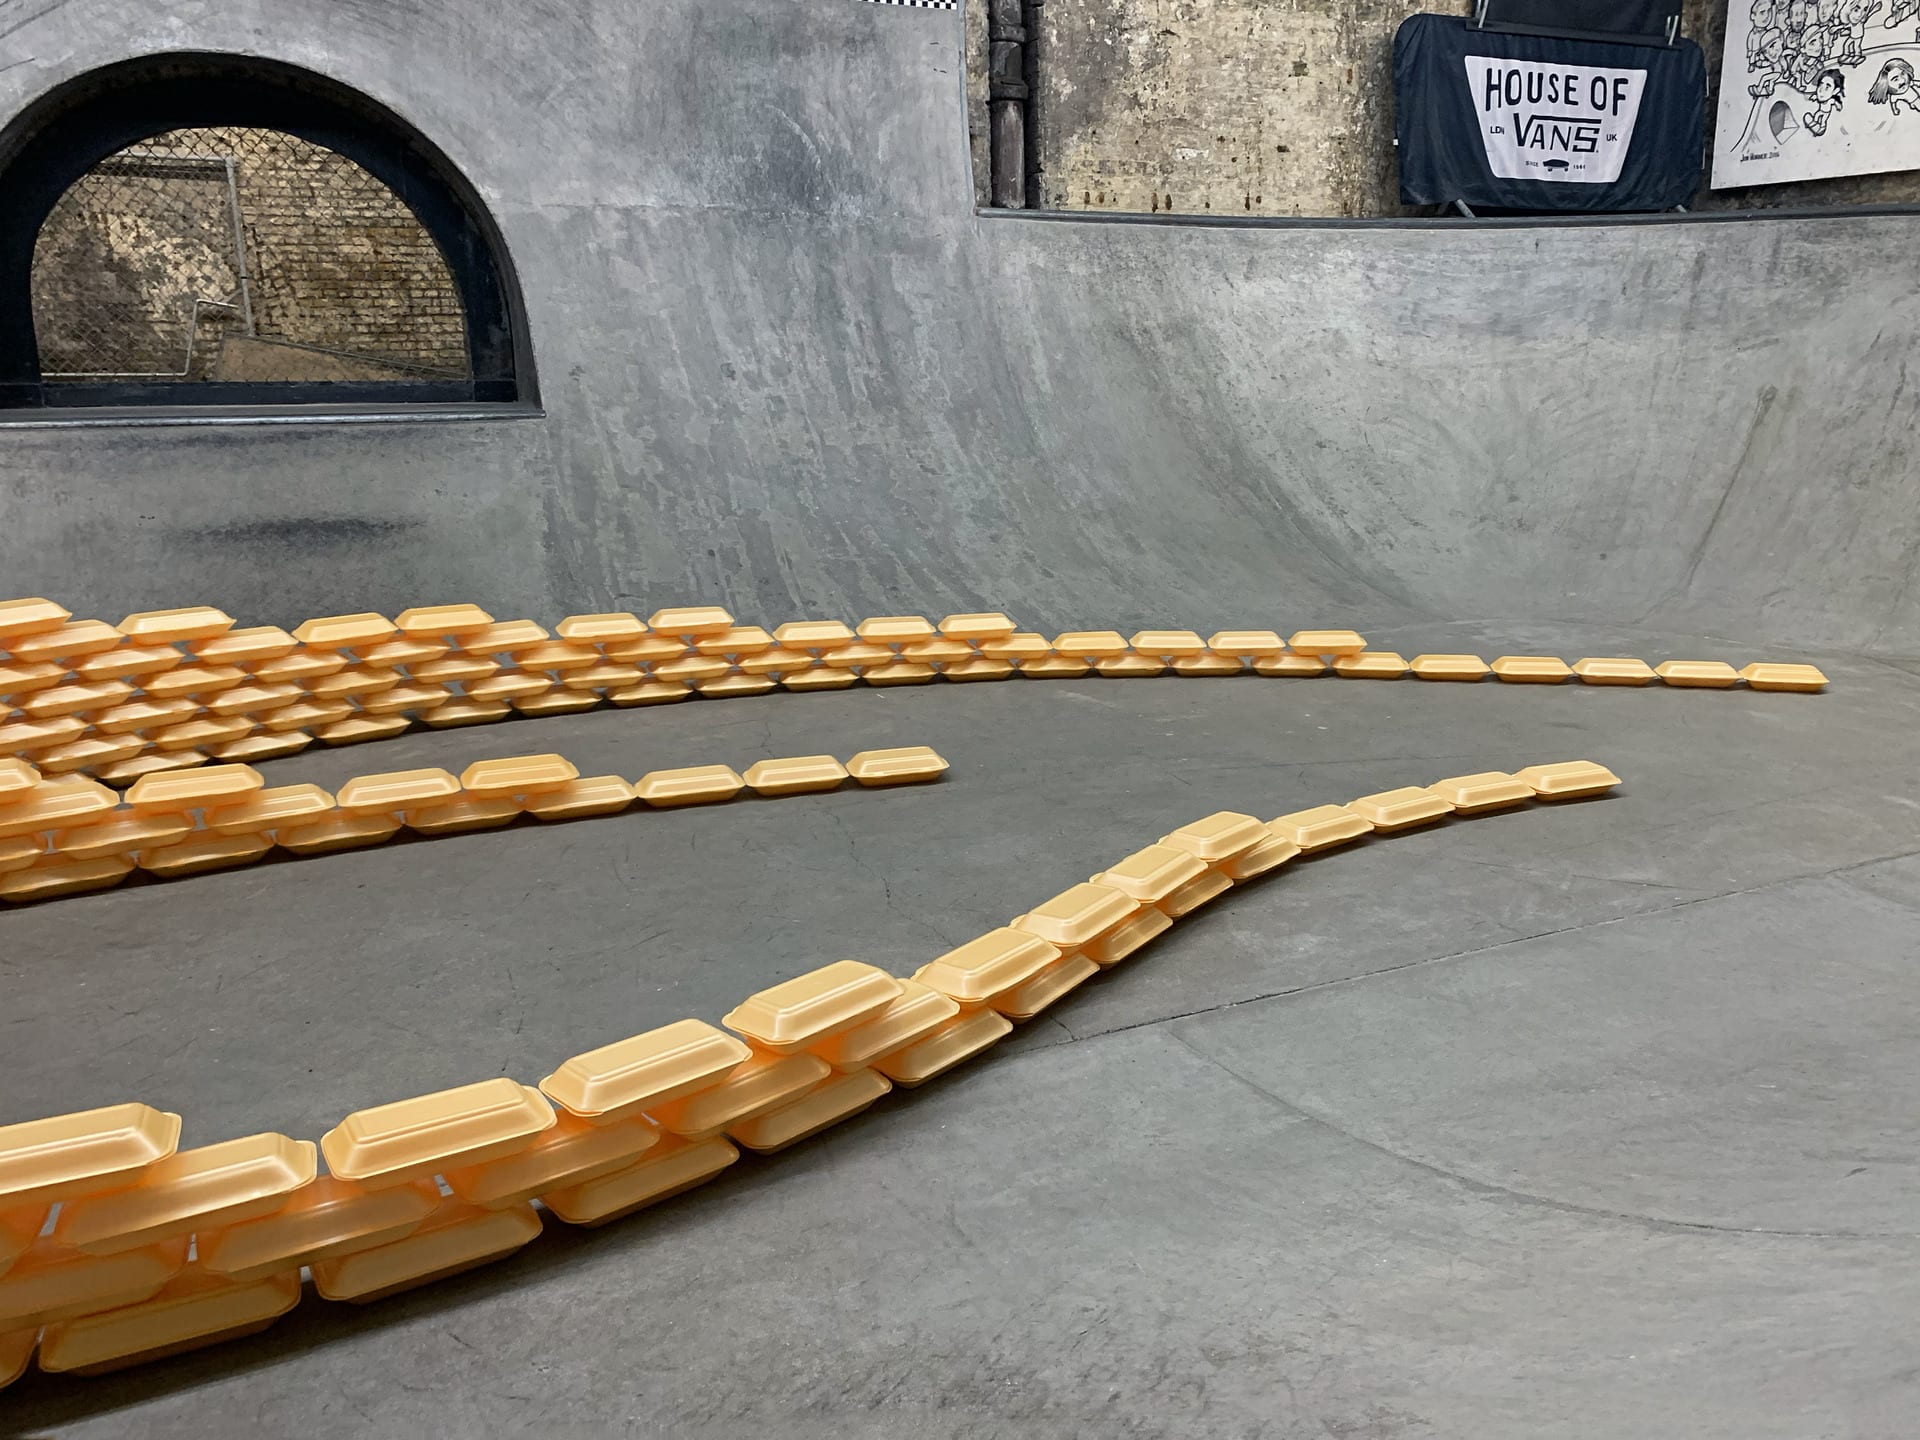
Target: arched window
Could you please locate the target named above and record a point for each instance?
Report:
(200, 230)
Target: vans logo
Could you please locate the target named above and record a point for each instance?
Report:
(1571, 133)
(1561, 123)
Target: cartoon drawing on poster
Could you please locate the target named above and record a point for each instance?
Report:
(1810, 88)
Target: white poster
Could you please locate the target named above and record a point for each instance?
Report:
(1545, 121)
(1817, 87)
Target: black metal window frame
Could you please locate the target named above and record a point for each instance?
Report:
(66, 133)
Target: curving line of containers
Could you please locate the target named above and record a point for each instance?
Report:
(117, 1247)
(171, 689)
(67, 834)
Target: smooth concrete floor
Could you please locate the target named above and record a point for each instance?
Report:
(1592, 1120)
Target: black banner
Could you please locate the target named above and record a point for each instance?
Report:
(1522, 122)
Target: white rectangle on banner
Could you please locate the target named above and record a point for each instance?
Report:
(1568, 124)
(1811, 88)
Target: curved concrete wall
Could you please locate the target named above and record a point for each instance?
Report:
(787, 368)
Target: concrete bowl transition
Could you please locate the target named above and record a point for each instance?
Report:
(1589, 1119)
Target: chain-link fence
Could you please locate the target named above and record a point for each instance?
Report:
(241, 255)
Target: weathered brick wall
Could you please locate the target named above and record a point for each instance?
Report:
(337, 262)
(1240, 107)
(341, 262)
(1265, 107)
(114, 285)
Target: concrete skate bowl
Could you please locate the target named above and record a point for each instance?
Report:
(1598, 1111)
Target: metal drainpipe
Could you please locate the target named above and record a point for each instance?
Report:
(240, 245)
(1030, 74)
(1007, 102)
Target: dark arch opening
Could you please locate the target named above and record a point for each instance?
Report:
(67, 133)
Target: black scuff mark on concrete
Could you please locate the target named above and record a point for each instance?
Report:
(301, 532)
(1768, 395)
(16, 26)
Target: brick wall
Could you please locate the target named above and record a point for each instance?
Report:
(336, 263)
